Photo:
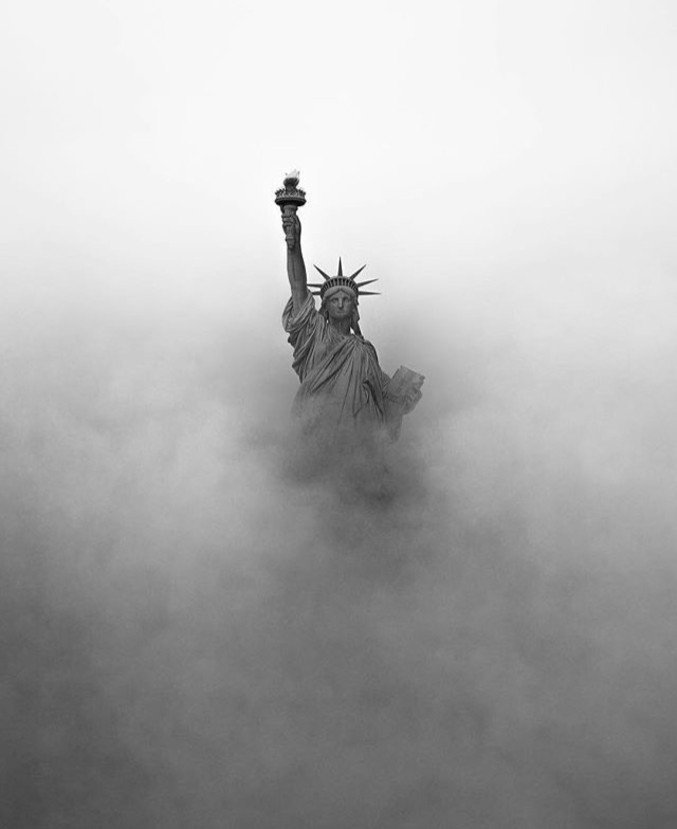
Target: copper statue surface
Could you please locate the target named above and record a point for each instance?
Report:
(345, 397)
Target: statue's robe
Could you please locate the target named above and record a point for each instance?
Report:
(343, 392)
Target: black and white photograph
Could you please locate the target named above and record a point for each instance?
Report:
(338, 414)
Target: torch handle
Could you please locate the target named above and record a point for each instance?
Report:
(289, 210)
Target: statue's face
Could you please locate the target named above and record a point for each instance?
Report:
(340, 305)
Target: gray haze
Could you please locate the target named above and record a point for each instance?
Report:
(195, 631)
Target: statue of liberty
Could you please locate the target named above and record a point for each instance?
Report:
(345, 400)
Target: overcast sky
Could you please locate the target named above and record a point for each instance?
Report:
(506, 169)
(434, 139)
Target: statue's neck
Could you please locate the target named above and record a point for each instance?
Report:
(341, 326)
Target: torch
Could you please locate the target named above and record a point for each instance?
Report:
(290, 197)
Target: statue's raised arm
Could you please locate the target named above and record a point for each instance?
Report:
(296, 267)
(289, 198)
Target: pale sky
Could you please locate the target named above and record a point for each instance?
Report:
(430, 136)
(506, 169)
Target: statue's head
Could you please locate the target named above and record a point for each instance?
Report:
(340, 295)
(339, 303)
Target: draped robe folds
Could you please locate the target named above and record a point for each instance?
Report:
(343, 390)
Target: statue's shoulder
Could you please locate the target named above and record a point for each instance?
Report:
(368, 346)
(306, 310)
(303, 322)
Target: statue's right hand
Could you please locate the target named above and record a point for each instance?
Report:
(291, 225)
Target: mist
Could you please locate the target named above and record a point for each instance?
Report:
(195, 630)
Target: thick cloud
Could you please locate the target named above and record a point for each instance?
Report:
(197, 632)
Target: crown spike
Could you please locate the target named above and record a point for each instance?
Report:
(341, 281)
(325, 275)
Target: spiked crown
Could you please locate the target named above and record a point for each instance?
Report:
(341, 281)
